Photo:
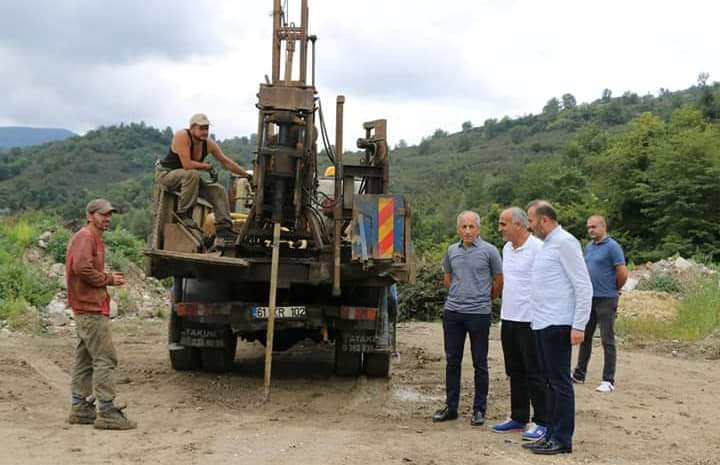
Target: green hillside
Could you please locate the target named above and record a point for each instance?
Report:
(650, 163)
(115, 161)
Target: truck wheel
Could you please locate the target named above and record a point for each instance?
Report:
(347, 363)
(377, 364)
(222, 359)
(185, 359)
(181, 358)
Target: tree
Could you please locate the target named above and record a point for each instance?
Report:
(463, 143)
(568, 102)
(606, 95)
(702, 79)
(623, 175)
(630, 98)
(518, 134)
(425, 147)
(684, 192)
(402, 144)
(490, 128)
(551, 108)
(467, 126)
(439, 134)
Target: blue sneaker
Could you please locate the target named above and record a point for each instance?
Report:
(534, 432)
(508, 426)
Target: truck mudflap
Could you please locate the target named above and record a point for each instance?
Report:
(381, 337)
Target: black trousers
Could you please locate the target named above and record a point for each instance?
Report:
(556, 354)
(524, 368)
(455, 327)
(604, 310)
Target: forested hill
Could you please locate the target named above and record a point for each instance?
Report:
(650, 163)
(14, 136)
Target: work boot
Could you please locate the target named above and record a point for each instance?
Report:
(187, 220)
(113, 418)
(82, 413)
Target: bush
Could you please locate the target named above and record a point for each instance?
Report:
(21, 316)
(423, 300)
(19, 281)
(121, 245)
(661, 281)
(12, 308)
(20, 233)
(57, 245)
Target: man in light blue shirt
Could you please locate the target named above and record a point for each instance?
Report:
(561, 297)
(608, 273)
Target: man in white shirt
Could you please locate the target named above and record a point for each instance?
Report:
(522, 360)
(561, 297)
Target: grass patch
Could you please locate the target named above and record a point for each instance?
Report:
(698, 314)
(12, 308)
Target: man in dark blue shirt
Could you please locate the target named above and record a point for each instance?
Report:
(473, 276)
(606, 264)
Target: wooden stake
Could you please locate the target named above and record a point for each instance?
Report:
(271, 307)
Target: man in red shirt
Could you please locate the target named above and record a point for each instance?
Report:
(95, 357)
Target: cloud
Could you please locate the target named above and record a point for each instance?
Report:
(89, 32)
(421, 64)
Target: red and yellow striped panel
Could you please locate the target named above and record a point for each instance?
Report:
(386, 207)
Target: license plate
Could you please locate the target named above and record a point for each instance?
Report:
(261, 313)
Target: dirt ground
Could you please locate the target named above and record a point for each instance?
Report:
(665, 411)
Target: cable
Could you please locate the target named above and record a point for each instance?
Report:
(324, 136)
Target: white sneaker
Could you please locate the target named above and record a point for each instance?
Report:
(605, 386)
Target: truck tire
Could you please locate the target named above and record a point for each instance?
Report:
(346, 363)
(377, 364)
(185, 359)
(181, 358)
(222, 359)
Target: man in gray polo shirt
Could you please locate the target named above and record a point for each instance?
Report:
(473, 275)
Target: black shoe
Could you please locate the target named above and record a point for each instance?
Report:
(536, 444)
(551, 448)
(444, 414)
(477, 419)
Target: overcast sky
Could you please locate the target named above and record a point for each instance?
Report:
(422, 64)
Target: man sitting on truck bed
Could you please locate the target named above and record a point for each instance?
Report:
(181, 168)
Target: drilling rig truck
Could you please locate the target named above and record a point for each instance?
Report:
(313, 257)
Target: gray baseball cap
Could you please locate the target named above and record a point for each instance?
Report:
(101, 206)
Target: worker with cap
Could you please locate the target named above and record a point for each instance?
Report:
(95, 357)
(180, 172)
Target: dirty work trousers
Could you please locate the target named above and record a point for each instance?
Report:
(455, 328)
(604, 310)
(524, 368)
(189, 185)
(95, 358)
